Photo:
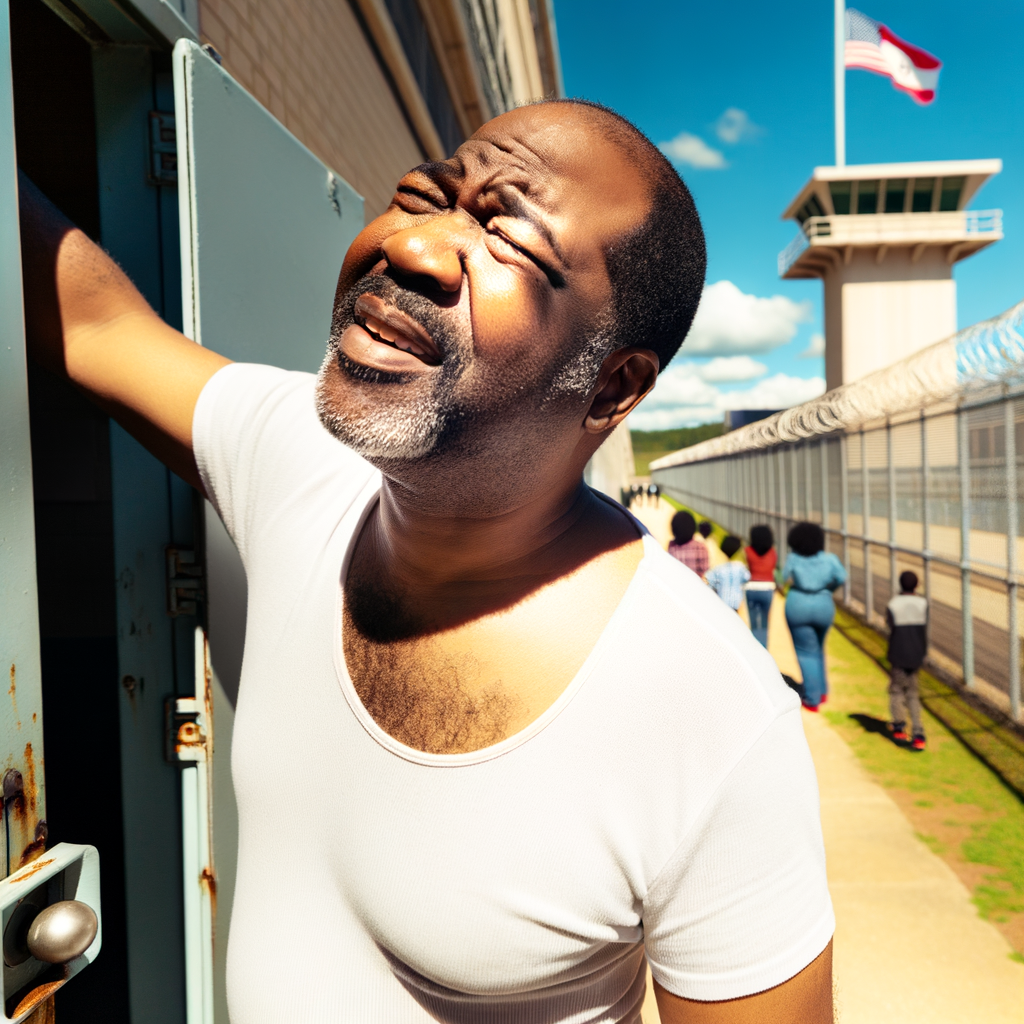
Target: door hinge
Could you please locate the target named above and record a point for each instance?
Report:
(184, 735)
(184, 582)
(163, 149)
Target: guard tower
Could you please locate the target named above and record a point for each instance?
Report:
(884, 238)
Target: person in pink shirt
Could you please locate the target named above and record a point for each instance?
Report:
(690, 551)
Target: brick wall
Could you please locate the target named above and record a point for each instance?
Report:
(309, 63)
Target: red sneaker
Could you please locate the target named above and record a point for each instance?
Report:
(824, 698)
(917, 743)
(810, 707)
(898, 732)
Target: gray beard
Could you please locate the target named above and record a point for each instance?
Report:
(425, 423)
(405, 432)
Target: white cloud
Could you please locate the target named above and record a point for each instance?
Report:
(730, 322)
(670, 419)
(680, 385)
(732, 368)
(735, 126)
(681, 398)
(815, 349)
(778, 392)
(693, 151)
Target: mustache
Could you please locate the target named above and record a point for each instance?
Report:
(437, 322)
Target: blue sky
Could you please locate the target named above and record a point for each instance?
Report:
(676, 68)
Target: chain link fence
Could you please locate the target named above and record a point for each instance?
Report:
(918, 467)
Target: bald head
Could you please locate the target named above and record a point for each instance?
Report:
(657, 268)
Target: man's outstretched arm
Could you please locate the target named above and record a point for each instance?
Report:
(86, 321)
(804, 999)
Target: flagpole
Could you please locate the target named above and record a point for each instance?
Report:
(840, 82)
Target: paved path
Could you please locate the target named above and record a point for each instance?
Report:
(910, 947)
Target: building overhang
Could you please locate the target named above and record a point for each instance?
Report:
(974, 172)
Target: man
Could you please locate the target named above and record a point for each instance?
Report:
(441, 615)
(907, 617)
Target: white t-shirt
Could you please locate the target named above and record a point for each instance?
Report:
(666, 801)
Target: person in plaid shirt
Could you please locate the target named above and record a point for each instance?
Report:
(692, 553)
(727, 580)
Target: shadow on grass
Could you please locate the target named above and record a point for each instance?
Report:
(880, 727)
(871, 724)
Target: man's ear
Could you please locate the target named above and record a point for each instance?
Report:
(626, 376)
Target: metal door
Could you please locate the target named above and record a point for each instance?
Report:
(31, 881)
(21, 716)
(264, 228)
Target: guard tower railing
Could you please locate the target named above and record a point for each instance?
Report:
(919, 466)
(889, 229)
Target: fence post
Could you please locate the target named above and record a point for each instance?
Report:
(891, 465)
(794, 473)
(964, 458)
(808, 488)
(823, 458)
(925, 534)
(844, 510)
(1010, 428)
(780, 467)
(865, 486)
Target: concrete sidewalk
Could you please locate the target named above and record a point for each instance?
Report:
(909, 944)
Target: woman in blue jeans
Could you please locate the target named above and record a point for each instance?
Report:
(814, 574)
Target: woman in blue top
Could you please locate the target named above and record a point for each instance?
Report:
(814, 574)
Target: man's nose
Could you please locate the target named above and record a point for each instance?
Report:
(434, 249)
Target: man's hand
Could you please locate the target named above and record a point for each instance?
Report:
(804, 999)
(86, 321)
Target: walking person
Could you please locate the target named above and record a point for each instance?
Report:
(814, 573)
(715, 556)
(907, 616)
(762, 559)
(684, 546)
(727, 579)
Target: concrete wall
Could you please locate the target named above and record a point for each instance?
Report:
(310, 64)
(878, 312)
(612, 467)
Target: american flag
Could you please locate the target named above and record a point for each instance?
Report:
(872, 46)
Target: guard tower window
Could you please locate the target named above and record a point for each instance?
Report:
(923, 189)
(812, 208)
(867, 197)
(895, 195)
(949, 196)
(840, 196)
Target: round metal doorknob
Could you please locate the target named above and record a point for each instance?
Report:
(62, 932)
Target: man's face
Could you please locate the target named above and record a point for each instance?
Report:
(477, 299)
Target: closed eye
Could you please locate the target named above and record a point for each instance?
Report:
(416, 200)
(554, 277)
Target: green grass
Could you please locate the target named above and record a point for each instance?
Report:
(649, 445)
(947, 778)
(1000, 747)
